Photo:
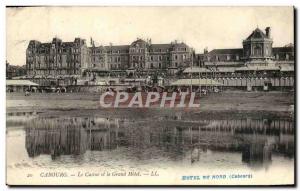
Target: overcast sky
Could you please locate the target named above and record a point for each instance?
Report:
(199, 27)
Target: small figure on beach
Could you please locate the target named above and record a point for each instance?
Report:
(27, 93)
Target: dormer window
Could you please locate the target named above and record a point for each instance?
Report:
(228, 57)
(287, 56)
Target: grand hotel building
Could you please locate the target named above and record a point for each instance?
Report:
(75, 60)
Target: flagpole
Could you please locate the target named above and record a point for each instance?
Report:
(192, 72)
(199, 81)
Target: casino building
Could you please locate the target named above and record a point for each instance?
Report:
(257, 65)
(256, 57)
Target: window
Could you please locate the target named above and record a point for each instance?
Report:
(159, 65)
(228, 57)
(160, 57)
(176, 57)
(237, 57)
(287, 56)
(151, 58)
(176, 64)
(151, 65)
(257, 51)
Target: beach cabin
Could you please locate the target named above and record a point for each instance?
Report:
(20, 86)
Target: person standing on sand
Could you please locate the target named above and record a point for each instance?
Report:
(27, 93)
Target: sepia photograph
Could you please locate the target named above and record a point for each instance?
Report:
(150, 96)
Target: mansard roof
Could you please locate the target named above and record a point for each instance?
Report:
(139, 42)
(257, 34)
(235, 51)
(56, 41)
(284, 49)
(167, 46)
(117, 47)
(160, 45)
(182, 44)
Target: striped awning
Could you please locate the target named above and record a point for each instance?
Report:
(196, 70)
(196, 82)
(257, 68)
(287, 69)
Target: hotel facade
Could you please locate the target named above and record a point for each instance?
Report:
(76, 58)
(68, 62)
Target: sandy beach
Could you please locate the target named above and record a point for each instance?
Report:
(86, 104)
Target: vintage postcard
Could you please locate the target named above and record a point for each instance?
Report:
(150, 96)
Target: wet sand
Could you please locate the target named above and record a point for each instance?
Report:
(224, 104)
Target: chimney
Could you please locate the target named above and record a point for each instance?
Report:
(205, 50)
(268, 32)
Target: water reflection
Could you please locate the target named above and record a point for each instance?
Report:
(19, 118)
(256, 140)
